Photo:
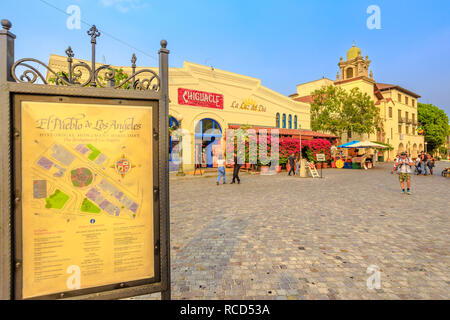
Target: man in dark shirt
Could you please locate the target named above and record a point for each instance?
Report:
(236, 168)
(292, 164)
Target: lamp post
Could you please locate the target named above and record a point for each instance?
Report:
(302, 173)
(180, 149)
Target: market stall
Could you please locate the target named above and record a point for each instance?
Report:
(355, 159)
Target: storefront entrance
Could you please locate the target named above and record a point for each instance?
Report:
(208, 142)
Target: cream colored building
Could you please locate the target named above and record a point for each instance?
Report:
(398, 106)
(206, 101)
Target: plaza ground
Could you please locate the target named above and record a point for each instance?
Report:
(279, 237)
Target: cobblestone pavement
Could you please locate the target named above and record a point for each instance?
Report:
(279, 237)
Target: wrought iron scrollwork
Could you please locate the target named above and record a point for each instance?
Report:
(82, 74)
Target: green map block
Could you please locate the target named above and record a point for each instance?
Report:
(95, 152)
(56, 200)
(89, 207)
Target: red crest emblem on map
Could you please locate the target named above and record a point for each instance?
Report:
(123, 166)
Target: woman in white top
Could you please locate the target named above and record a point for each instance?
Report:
(221, 168)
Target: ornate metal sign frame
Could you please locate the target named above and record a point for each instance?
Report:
(149, 91)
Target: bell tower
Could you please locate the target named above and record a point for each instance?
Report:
(354, 66)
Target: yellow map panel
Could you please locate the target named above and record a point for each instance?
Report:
(87, 190)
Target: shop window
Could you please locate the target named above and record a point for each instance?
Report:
(295, 122)
(284, 121)
(277, 121)
(290, 122)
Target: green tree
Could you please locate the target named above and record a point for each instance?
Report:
(434, 121)
(338, 111)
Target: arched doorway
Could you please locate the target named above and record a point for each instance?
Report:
(173, 156)
(421, 147)
(208, 137)
(401, 148)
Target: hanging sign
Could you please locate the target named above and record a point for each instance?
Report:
(200, 98)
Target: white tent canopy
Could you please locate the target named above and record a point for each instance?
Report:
(366, 144)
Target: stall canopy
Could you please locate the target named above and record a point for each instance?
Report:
(348, 144)
(366, 144)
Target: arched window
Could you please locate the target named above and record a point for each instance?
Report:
(290, 122)
(295, 122)
(208, 127)
(277, 122)
(349, 73)
(284, 121)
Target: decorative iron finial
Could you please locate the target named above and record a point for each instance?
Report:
(69, 52)
(133, 60)
(94, 33)
(163, 44)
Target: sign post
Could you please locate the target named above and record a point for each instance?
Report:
(321, 157)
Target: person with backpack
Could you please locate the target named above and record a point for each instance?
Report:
(404, 164)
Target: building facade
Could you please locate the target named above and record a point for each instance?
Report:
(398, 106)
(204, 102)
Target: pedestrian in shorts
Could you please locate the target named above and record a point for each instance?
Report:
(404, 164)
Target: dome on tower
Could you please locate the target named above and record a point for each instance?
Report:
(353, 53)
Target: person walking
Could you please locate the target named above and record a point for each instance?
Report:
(297, 167)
(404, 164)
(236, 168)
(221, 169)
(417, 164)
(394, 169)
(291, 164)
(430, 163)
(423, 163)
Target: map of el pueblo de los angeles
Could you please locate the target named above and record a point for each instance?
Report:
(87, 190)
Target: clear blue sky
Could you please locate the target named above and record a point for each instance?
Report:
(284, 43)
